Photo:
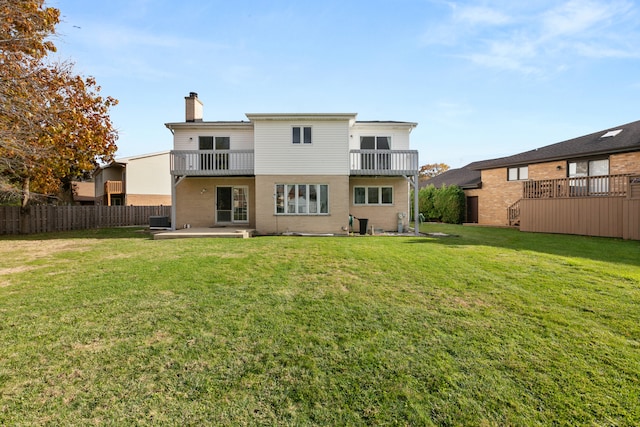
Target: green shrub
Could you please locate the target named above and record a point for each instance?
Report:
(426, 196)
(446, 204)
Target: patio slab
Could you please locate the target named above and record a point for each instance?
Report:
(190, 233)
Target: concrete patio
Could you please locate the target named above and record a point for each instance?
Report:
(189, 233)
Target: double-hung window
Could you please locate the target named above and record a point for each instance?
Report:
(301, 134)
(372, 195)
(519, 173)
(302, 199)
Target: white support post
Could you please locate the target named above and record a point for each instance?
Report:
(175, 181)
(416, 214)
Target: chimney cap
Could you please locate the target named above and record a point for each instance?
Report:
(193, 94)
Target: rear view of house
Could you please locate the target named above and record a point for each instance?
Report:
(279, 173)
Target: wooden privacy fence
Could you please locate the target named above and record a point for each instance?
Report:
(47, 218)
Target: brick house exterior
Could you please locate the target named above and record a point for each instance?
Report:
(498, 183)
(291, 172)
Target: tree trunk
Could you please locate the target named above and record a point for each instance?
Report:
(25, 209)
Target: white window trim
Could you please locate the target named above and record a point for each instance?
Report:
(296, 185)
(519, 170)
(366, 195)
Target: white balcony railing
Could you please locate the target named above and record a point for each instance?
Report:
(212, 163)
(383, 162)
(241, 162)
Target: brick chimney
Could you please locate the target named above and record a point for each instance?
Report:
(193, 110)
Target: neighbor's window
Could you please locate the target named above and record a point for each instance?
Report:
(372, 195)
(589, 168)
(518, 174)
(301, 134)
(302, 199)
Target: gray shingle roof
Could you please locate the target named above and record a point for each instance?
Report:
(464, 178)
(588, 145)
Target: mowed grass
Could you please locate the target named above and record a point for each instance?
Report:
(484, 327)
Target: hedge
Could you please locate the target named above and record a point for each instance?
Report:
(446, 204)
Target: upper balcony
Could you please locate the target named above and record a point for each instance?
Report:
(241, 162)
(113, 187)
(383, 162)
(212, 163)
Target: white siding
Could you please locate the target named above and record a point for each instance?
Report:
(399, 134)
(149, 175)
(240, 139)
(328, 154)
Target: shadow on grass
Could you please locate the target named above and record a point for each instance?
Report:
(93, 233)
(595, 248)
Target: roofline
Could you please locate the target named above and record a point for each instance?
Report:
(140, 156)
(219, 124)
(386, 123)
(301, 116)
(550, 159)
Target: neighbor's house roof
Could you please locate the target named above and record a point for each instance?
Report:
(122, 161)
(463, 177)
(617, 139)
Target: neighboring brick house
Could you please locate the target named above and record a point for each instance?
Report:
(279, 173)
(601, 166)
(142, 180)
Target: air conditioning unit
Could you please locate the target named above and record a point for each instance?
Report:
(159, 222)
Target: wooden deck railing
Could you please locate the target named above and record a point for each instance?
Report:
(113, 187)
(587, 186)
(513, 214)
(634, 187)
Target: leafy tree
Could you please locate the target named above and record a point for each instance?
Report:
(54, 125)
(432, 169)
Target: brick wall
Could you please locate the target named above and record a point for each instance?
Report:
(382, 217)
(497, 194)
(148, 200)
(624, 163)
(196, 198)
(267, 222)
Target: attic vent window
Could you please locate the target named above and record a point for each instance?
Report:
(611, 133)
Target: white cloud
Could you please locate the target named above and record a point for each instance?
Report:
(577, 17)
(479, 15)
(528, 40)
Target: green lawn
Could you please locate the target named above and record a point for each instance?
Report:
(484, 327)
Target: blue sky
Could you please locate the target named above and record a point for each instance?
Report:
(483, 79)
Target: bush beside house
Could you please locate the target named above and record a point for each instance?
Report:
(446, 204)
